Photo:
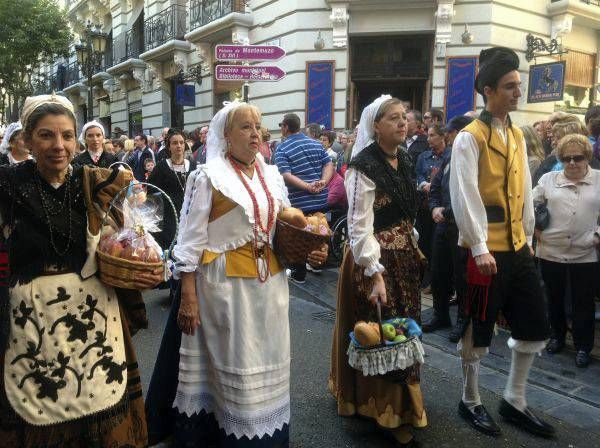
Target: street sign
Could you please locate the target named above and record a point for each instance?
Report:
(248, 73)
(248, 52)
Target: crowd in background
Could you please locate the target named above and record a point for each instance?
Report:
(428, 144)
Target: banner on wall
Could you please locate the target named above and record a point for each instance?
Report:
(320, 88)
(460, 86)
(546, 82)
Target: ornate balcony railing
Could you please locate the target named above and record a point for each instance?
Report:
(127, 45)
(46, 85)
(72, 74)
(202, 12)
(167, 25)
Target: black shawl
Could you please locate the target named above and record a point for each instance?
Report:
(398, 183)
(29, 245)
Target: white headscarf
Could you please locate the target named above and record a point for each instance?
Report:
(366, 131)
(33, 102)
(216, 145)
(90, 124)
(8, 133)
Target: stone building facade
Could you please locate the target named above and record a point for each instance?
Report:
(374, 46)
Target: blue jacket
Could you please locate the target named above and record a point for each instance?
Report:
(426, 163)
(439, 192)
(136, 162)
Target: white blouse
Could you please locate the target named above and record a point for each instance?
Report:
(361, 197)
(467, 205)
(574, 209)
(232, 230)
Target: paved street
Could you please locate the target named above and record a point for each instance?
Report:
(569, 397)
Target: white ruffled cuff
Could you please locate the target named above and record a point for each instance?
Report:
(374, 268)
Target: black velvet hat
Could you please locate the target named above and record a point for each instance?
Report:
(494, 63)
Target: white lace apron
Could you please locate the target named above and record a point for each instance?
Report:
(237, 365)
(66, 354)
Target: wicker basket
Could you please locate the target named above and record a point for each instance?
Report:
(386, 358)
(122, 273)
(292, 244)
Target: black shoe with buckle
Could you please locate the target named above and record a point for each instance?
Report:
(436, 323)
(555, 346)
(526, 419)
(479, 419)
(582, 359)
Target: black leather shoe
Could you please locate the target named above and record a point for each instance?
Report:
(479, 419)
(525, 419)
(582, 359)
(555, 346)
(435, 324)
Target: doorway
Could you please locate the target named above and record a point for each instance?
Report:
(399, 66)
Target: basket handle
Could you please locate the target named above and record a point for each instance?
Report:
(126, 165)
(168, 251)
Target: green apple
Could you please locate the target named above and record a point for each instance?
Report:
(389, 332)
(400, 338)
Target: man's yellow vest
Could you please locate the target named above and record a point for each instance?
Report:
(501, 183)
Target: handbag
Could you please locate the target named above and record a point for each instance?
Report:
(542, 216)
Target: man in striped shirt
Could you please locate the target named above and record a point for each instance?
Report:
(306, 169)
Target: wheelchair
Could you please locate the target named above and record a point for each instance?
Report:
(338, 220)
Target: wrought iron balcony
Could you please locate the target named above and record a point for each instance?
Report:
(45, 85)
(127, 45)
(72, 74)
(202, 12)
(167, 25)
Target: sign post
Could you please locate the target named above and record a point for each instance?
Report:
(247, 73)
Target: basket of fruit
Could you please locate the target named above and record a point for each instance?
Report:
(297, 235)
(379, 348)
(124, 253)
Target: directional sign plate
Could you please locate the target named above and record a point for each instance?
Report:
(249, 52)
(248, 73)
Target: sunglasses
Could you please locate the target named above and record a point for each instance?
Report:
(569, 159)
(281, 124)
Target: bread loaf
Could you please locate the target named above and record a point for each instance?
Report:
(366, 334)
(294, 217)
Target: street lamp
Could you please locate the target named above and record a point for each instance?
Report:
(89, 58)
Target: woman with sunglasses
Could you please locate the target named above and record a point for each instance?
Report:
(567, 246)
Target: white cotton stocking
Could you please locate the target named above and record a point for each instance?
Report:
(470, 396)
(517, 379)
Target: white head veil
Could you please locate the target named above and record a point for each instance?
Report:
(216, 145)
(90, 124)
(8, 133)
(366, 133)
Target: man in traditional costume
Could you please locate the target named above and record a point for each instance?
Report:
(490, 188)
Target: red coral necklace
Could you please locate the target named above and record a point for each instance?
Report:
(259, 252)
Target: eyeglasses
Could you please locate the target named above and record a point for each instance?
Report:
(281, 124)
(569, 159)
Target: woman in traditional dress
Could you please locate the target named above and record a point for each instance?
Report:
(92, 137)
(13, 149)
(381, 263)
(170, 175)
(234, 370)
(68, 371)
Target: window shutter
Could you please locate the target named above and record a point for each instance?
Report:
(581, 68)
